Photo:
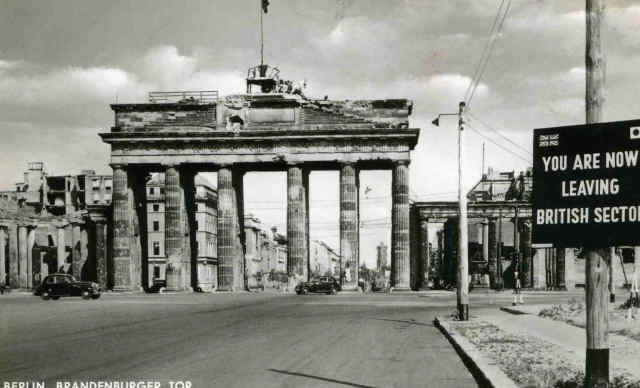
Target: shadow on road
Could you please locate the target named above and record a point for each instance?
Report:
(320, 378)
(410, 322)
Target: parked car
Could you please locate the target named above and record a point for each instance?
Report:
(56, 285)
(157, 286)
(322, 284)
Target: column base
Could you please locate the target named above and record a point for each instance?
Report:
(350, 287)
(393, 290)
(122, 289)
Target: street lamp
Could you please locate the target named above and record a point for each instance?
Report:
(463, 260)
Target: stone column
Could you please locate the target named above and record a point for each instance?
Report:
(400, 255)
(440, 258)
(499, 253)
(538, 262)
(31, 239)
(560, 268)
(297, 218)
(240, 281)
(569, 269)
(84, 252)
(61, 245)
(3, 245)
(349, 244)
(22, 256)
(485, 240)
(425, 253)
(76, 259)
(635, 279)
(525, 253)
(136, 200)
(226, 229)
(121, 230)
(484, 279)
(14, 277)
(174, 229)
(100, 225)
(492, 242)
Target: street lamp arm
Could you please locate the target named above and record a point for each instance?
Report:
(436, 121)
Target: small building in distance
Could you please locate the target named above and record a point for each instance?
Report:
(381, 258)
(323, 260)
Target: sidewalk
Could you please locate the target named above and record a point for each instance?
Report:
(623, 351)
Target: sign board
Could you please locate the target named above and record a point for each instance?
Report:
(586, 185)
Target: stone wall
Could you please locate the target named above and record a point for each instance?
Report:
(142, 117)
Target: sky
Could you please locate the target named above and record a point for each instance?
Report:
(63, 62)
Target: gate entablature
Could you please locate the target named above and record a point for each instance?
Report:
(261, 129)
(449, 209)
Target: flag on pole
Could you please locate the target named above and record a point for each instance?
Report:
(265, 4)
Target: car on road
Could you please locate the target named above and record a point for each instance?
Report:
(158, 286)
(321, 284)
(56, 285)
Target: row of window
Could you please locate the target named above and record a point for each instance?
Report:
(156, 247)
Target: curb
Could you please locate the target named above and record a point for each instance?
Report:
(486, 372)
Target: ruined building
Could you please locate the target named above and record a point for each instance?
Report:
(499, 213)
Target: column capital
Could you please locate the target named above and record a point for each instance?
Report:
(401, 162)
(118, 166)
(170, 165)
(524, 224)
(61, 224)
(424, 222)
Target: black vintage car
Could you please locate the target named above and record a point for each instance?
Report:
(56, 285)
(322, 284)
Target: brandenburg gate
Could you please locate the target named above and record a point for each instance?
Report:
(181, 134)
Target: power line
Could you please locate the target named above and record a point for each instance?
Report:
(484, 51)
(499, 134)
(490, 44)
(499, 145)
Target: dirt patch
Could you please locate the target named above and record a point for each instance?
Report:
(529, 361)
(574, 313)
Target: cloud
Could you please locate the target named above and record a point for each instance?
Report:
(165, 68)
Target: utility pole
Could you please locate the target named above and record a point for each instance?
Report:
(597, 267)
(463, 265)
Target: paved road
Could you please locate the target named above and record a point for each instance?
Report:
(225, 340)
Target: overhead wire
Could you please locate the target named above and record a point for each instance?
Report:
(529, 161)
(490, 44)
(498, 133)
(484, 51)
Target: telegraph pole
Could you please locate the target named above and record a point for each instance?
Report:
(463, 265)
(597, 267)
